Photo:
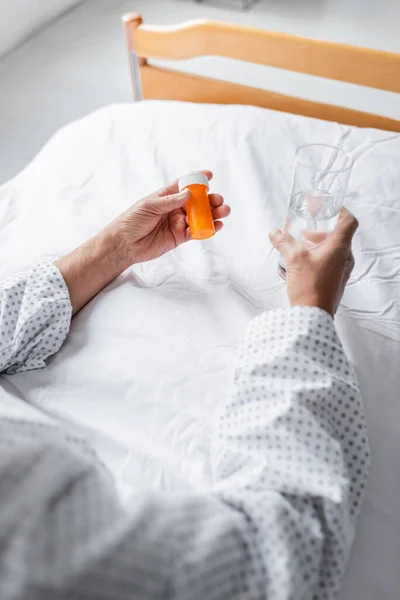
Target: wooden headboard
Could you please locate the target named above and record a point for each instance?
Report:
(366, 67)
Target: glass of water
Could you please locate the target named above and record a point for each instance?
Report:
(320, 178)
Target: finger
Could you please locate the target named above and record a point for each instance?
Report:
(173, 188)
(215, 200)
(221, 212)
(346, 227)
(283, 242)
(165, 204)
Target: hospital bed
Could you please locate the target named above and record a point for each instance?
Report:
(149, 360)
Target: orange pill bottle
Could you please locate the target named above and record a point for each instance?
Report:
(198, 207)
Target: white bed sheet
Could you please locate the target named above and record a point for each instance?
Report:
(150, 358)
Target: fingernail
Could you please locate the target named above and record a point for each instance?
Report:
(276, 233)
(183, 194)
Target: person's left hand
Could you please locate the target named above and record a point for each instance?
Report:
(158, 223)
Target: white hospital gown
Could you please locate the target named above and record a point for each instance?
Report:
(289, 455)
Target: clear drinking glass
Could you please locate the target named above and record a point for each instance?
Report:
(320, 178)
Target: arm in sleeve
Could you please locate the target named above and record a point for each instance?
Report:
(35, 315)
(290, 458)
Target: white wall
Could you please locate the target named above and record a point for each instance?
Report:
(19, 18)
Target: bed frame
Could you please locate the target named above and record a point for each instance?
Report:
(351, 64)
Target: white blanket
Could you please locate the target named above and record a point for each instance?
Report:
(151, 357)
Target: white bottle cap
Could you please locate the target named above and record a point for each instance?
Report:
(191, 179)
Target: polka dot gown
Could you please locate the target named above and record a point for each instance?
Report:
(289, 457)
(35, 318)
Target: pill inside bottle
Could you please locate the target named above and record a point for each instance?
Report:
(198, 207)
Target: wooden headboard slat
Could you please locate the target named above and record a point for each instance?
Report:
(166, 84)
(362, 66)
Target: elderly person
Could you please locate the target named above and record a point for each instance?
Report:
(289, 452)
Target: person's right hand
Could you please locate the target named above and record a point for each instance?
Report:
(316, 275)
(158, 223)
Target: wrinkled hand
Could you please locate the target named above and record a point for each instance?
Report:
(158, 223)
(316, 275)
(147, 230)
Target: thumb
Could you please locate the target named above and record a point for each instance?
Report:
(166, 204)
(346, 227)
(283, 242)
